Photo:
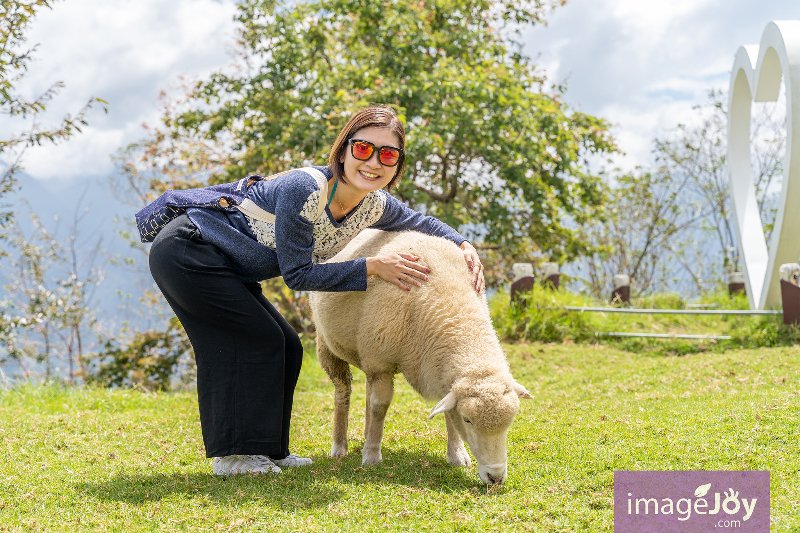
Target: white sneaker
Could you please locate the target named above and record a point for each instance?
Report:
(292, 460)
(243, 464)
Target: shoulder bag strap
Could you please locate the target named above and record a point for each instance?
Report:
(251, 209)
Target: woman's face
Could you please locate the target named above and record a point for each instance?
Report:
(370, 175)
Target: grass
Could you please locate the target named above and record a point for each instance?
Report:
(545, 320)
(122, 460)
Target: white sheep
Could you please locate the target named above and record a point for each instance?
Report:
(439, 336)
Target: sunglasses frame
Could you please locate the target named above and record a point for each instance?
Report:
(351, 141)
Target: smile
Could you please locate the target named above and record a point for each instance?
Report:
(369, 175)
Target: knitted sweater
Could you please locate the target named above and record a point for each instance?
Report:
(295, 246)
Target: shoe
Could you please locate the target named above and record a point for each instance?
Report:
(292, 460)
(243, 464)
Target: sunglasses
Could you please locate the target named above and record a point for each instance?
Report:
(362, 150)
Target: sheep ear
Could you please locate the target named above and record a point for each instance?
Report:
(522, 392)
(445, 404)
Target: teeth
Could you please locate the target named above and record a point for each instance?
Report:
(369, 175)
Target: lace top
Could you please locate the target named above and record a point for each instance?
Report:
(328, 239)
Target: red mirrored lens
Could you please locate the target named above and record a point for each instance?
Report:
(362, 150)
(389, 156)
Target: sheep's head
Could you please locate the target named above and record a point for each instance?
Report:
(482, 414)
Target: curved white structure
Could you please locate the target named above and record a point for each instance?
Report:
(756, 76)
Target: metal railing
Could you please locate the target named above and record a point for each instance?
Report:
(660, 335)
(668, 312)
(673, 311)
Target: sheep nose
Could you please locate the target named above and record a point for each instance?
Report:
(494, 480)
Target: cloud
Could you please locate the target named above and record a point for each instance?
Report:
(640, 64)
(125, 52)
(644, 65)
(85, 155)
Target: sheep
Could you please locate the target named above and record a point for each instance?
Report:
(439, 336)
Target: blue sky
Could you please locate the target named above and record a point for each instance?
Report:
(641, 64)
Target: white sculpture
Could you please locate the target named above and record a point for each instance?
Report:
(756, 76)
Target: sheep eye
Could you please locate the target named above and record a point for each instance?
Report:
(466, 420)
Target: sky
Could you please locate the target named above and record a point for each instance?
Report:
(125, 52)
(640, 64)
(644, 64)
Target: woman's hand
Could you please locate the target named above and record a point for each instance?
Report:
(398, 269)
(474, 264)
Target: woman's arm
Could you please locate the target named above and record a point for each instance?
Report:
(294, 243)
(399, 217)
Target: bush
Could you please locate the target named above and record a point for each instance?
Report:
(544, 318)
(149, 361)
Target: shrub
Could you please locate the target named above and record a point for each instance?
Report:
(149, 361)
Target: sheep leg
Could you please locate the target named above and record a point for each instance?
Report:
(339, 372)
(456, 452)
(380, 390)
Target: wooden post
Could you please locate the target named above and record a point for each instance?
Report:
(790, 292)
(736, 283)
(622, 289)
(550, 276)
(522, 281)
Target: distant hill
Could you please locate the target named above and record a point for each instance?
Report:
(101, 215)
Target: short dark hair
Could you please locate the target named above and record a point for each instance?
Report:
(379, 116)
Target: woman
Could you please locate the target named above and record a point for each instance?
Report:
(208, 263)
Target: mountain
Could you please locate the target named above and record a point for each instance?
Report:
(97, 215)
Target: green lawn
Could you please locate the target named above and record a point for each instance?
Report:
(122, 460)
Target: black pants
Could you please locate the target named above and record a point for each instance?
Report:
(248, 357)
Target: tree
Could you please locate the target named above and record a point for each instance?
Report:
(643, 234)
(48, 313)
(699, 152)
(490, 148)
(669, 227)
(15, 18)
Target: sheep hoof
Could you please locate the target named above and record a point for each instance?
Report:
(371, 458)
(460, 458)
(338, 450)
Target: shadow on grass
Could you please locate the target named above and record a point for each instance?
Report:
(415, 470)
(314, 486)
(276, 491)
